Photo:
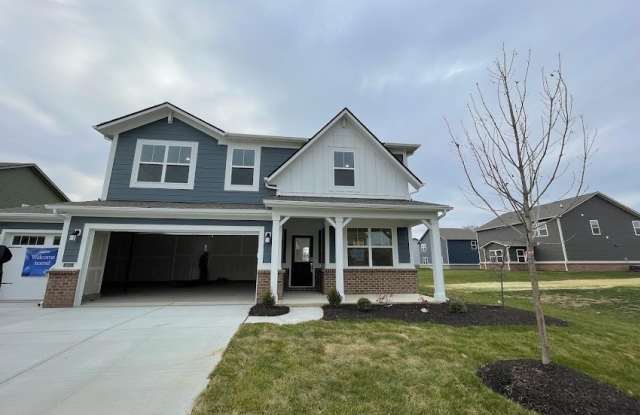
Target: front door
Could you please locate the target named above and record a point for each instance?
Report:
(301, 264)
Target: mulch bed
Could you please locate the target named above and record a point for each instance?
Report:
(555, 389)
(477, 315)
(268, 310)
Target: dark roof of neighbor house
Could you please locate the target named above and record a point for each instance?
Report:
(398, 202)
(12, 165)
(37, 209)
(454, 234)
(547, 211)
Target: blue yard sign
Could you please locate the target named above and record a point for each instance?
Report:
(37, 261)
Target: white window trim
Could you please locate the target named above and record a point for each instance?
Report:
(256, 169)
(393, 246)
(636, 227)
(494, 253)
(161, 185)
(474, 244)
(595, 222)
(540, 226)
(521, 253)
(333, 169)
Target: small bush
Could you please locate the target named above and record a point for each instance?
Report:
(333, 297)
(364, 304)
(268, 299)
(456, 305)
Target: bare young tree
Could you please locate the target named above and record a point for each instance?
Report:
(518, 150)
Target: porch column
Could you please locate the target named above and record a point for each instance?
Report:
(275, 255)
(339, 225)
(436, 262)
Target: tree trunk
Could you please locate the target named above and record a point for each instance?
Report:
(537, 306)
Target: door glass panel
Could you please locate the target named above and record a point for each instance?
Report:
(302, 250)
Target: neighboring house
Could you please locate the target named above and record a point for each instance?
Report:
(26, 184)
(459, 248)
(185, 201)
(592, 232)
(415, 251)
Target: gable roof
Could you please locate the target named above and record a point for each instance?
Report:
(39, 172)
(454, 234)
(552, 210)
(415, 181)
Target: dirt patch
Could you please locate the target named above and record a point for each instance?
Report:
(477, 315)
(268, 310)
(555, 389)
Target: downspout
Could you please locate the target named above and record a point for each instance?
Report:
(564, 249)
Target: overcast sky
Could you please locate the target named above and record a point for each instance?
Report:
(280, 67)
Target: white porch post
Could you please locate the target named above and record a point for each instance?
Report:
(339, 256)
(436, 262)
(275, 255)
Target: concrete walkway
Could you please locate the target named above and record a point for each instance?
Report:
(110, 360)
(586, 284)
(294, 316)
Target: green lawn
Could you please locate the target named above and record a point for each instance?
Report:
(387, 367)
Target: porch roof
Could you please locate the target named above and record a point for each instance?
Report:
(353, 203)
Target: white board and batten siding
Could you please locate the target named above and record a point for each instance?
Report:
(377, 176)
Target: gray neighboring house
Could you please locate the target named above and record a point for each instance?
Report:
(459, 247)
(26, 184)
(592, 232)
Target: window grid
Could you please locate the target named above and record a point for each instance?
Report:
(243, 163)
(373, 242)
(164, 164)
(595, 227)
(344, 168)
(495, 255)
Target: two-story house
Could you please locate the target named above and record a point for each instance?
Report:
(591, 232)
(187, 202)
(459, 248)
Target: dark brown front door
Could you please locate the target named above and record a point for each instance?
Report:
(302, 261)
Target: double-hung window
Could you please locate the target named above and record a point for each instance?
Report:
(541, 230)
(636, 227)
(164, 164)
(495, 255)
(474, 244)
(595, 227)
(368, 247)
(521, 256)
(343, 169)
(242, 169)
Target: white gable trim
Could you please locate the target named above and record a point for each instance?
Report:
(414, 181)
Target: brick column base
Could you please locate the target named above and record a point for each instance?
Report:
(61, 288)
(373, 281)
(263, 284)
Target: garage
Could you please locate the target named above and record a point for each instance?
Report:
(127, 268)
(34, 252)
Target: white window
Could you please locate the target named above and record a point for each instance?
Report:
(595, 227)
(636, 227)
(521, 256)
(474, 244)
(541, 230)
(243, 166)
(423, 247)
(344, 169)
(495, 255)
(28, 240)
(368, 247)
(164, 164)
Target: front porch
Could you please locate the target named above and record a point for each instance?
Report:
(359, 249)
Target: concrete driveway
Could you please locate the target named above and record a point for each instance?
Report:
(110, 360)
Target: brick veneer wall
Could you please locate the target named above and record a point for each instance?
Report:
(61, 288)
(263, 284)
(373, 281)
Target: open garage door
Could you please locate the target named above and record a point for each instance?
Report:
(153, 268)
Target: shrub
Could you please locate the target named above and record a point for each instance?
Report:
(268, 299)
(456, 305)
(333, 297)
(364, 304)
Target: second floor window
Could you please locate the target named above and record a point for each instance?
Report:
(474, 244)
(595, 227)
(164, 164)
(521, 256)
(541, 230)
(343, 169)
(636, 227)
(242, 165)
